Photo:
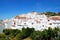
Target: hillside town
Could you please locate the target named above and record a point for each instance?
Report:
(29, 19)
(38, 21)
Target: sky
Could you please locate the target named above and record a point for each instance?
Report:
(11, 8)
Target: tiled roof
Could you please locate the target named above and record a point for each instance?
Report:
(19, 17)
(55, 17)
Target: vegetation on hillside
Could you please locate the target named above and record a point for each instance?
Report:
(52, 13)
(26, 33)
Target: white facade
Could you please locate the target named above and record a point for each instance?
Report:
(32, 20)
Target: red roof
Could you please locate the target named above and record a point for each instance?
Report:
(19, 17)
(55, 17)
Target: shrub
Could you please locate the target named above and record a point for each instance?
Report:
(26, 32)
(12, 32)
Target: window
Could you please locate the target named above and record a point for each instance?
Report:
(14, 22)
(48, 20)
(24, 23)
(32, 23)
(19, 25)
(42, 25)
(50, 23)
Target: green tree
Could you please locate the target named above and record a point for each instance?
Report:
(45, 34)
(36, 35)
(12, 32)
(25, 32)
(50, 13)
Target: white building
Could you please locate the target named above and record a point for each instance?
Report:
(33, 20)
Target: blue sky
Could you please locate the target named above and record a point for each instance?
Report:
(11, 8)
